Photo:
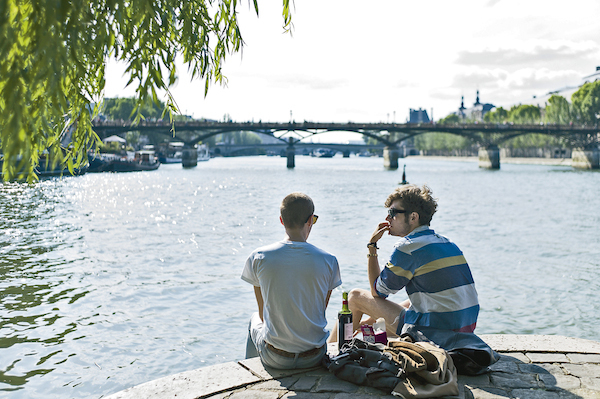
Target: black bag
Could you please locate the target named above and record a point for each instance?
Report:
(365, 364)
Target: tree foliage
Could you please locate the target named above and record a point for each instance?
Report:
(525, 114)
(534, 140)
(584, 110)
(559, 110)
(441, 142)
(498, 115)
(53, 57)
(586, 103)
(450, 120)
(124, 108)
(245, 138)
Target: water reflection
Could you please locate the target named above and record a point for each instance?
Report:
(111, 280)
(34, 281)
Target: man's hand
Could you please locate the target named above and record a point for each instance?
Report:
(373, 263)
(381, 228)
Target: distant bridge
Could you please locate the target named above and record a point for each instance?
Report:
(487, 135)
(226, 149)
(388, 134)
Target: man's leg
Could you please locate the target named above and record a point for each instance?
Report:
(362, 302)
(250, 348)
(254, 336)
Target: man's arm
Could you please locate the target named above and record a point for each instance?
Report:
(260, 302)
(373, 268)
(327, 299)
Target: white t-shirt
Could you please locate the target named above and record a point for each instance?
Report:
(294, 278)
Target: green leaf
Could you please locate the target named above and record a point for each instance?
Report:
(52, 63)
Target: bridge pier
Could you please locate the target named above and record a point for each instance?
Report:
(390, 158)
(346, 153)
(585, 159)
(489, 157)
(291, 157)
(189, 157)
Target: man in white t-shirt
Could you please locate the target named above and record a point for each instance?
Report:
(292, 282)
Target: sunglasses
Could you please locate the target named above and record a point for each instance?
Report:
(314, 218)
(393, 212)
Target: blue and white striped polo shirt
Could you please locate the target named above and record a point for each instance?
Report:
(437, 278)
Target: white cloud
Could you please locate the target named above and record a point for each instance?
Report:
(351, 60)
(556, 54)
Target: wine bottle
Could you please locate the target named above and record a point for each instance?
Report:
(345, 328)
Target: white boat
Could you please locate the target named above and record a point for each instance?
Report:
(323, 153)
(203, 153)
(170, 152)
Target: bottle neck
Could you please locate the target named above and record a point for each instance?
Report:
(345, 308)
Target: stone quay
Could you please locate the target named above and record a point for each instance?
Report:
(531, 367)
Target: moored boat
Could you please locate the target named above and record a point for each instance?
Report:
(46, 168)
(170, 152)
(203, 153)
(143, 160)
(323, 153)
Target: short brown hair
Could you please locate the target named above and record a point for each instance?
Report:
(415, 199)
(295, 210)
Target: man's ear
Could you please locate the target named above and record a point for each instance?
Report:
(414, 217)
(281, 220)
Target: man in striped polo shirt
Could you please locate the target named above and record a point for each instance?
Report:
(430, 267)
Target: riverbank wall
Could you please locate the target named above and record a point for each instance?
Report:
(530, 367)
(508, 160)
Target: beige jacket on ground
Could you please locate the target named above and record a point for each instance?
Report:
(431, 372)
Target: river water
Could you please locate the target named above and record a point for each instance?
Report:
(111, 280)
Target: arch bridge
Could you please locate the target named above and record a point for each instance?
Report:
(488, 136)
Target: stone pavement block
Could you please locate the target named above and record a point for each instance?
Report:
(570, 395)
(305, 383)
(306, 395)
(583, 358)
(285, 383)
(540, 343)
(586, 394)
(583, 370)
(555, 382)
(192, 384)
(222, 395)
(318, 372)
(534, 394)
(331, 383)
(515, 357)
(541, 368)
(512, 381)
(547, 357)
(267, 373)
(504, 365)
(488, 393)
(252, 394)
(591, 383)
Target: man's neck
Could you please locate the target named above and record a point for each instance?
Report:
(295, 237)
(418, 228)
(299, 235)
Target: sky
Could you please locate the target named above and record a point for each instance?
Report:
(371, 61)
